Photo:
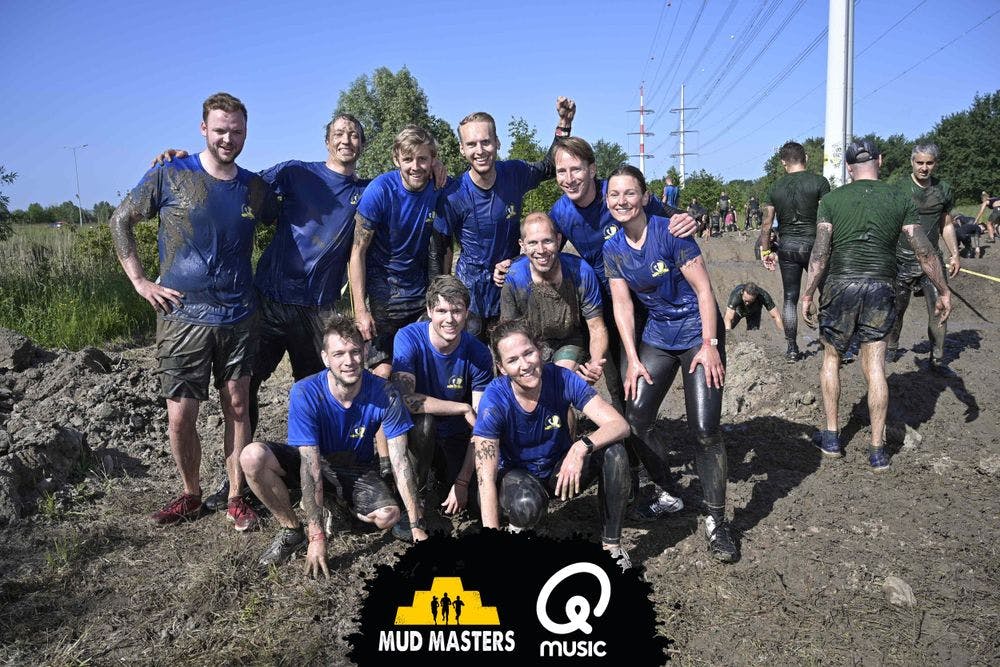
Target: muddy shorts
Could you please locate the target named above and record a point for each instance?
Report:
(344, 480)
(386, 326)
(864, 308)
(752, 318)
(560, 349)
(298, 330)
(190, 354)
(995, 215)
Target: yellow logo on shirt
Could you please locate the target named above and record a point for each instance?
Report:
(456, 382)
(358, 432)
(430, 218)
(610, 231)
(658, 268)
(552, 423)
(511, 211)
(247, 212)
(355, 198)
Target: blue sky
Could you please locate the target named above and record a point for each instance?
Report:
(128, 79)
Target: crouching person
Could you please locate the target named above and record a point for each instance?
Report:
(523, 451)
(330, 455)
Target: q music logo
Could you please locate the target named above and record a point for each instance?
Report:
(578, 612)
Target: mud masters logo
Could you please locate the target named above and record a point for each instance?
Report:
(494, 598)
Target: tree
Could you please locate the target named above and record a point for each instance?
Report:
(773, 169)
(39, 215)
(703, 185)
(6, 228)
(895, 152)
(608, 156)
(384, 103)
(524, 146)
(970, 148)
(102, 212)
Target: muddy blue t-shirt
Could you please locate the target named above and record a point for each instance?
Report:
(653, 273)
(205, 236)
(449, 377)
(317, 419)
(402, 221)
(306, 262)
(589, 227)
(554, 312)
(487, 226)
(670, 194)
(534, 441)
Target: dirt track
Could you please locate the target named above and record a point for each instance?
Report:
(88, 578)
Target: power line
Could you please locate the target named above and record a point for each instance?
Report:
(680, 55)
(656, 33)
(670, 35)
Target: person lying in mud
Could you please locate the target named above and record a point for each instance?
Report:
(330, 454)
(524, 453)
(683, 332)
(747, 301)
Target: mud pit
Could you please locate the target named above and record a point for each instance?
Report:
(85, 577)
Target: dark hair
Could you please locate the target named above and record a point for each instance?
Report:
(629, 170)
(348, 117)
(342, 326)
(751, 289)
(793, 152)
(509, 328)
(222, 102)
(450, 289)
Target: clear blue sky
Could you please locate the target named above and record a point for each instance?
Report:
(128, 79)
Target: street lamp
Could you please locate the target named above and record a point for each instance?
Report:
(79, 204)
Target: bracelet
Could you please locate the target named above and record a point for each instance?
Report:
(807, 297)
(461, 482)
(765, 253)
(317, 536)
(565, 130)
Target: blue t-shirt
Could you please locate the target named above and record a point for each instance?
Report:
(449, 377)
(317, 419)
(589, 227)
(671, 193)
(402, 222)
(653, 274)
(487, 226)
(205, 237)
(306, 262)
(534, 441)
(554, 313)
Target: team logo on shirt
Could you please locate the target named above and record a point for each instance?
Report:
(456, 382)
(358, 432)
(355, 198)
(658, 268)
(552, 423)
(610, 231)
(430, 218)
(247, 212)
(511, 211)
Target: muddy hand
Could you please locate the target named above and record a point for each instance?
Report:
(566, 108)
(167, 156)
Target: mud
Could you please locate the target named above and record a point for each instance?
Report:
(839, 565)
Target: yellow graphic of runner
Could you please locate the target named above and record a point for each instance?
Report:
(247, 212)
(552, 423)
(358, 432)
(456, 382)
(447, 603)
(659, 268)
(610, 231)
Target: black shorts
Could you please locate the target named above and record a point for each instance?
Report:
(864, 308)
(995, 215)
(358, 485)
(190, 354)
(285, 327)
(386, 326)
(752, 318)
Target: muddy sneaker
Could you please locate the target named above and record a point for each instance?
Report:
(663, 503)
(220, 499)
(828, 442)
(184, 508)
(792, 353)
(286, 543)
(620, 557)
(720, 542)
(241, 514)
(878, 459)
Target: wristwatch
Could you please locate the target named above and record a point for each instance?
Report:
(714, 342)
(588, 443)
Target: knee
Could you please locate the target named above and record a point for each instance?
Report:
(616, 457)
(639, 420)
(254, 458)
(385, 517)
(708, 438)
(235, 408)
(523, 499)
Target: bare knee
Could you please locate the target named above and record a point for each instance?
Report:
(254, 458)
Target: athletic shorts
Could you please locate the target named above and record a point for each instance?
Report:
(298, 330)
(358, 485)
(559, 349)
(752, 318)
(864, 307)
(386, 326)
(189, 355)
(995, 215)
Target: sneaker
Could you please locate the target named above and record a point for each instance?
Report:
(183, 508)
(720, 542)
(828, 442)
(792, 353)
(620, 557)
(878, 459)
(663, 503)
(220, 499)
(241, 514)
(286, 543)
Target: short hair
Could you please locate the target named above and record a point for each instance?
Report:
(410, 138)
(927, 149)
(508, 328)
(669, 180)
(478, 117)
(751, 289)
(450, 289)
(629, 170)
(222, 102)
(538, 216)
(348, 117)
(576, 147)
(792, 152)
(343, 326)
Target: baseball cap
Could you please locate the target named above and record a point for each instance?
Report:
(861, 150)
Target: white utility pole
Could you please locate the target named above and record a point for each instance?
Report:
(642, 111)
(79, 204)
(681, 132)
(839, 90)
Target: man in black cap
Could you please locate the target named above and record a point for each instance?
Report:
(857, 228)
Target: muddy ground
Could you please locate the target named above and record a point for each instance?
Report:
(84, 576)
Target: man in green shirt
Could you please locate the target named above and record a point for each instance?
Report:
(746, 301)
(854, 256)
(933, 200)
(794, 198)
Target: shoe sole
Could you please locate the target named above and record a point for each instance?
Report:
(242, 528)
(880, 468)
(830, 455)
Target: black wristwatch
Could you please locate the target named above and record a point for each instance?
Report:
(588, 443)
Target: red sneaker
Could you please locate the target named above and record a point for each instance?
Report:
(241, 514)
(183, 508)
